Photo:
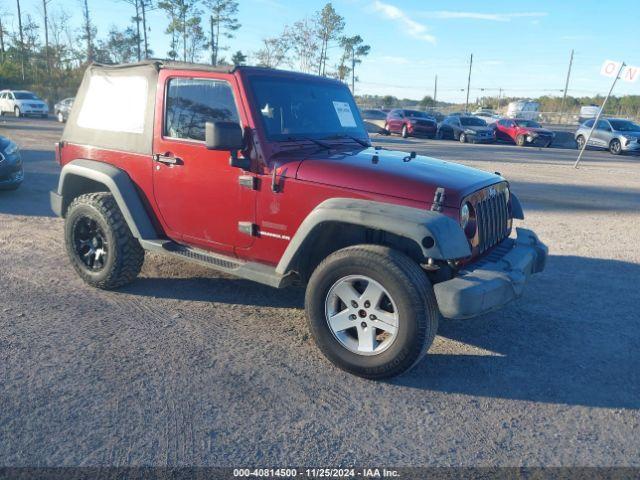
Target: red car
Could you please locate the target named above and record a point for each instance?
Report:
(271, 176)
(411, 123)
(523, 132)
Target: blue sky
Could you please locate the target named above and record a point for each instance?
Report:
(523, 47)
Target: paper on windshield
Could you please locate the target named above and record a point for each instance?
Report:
(345, 115)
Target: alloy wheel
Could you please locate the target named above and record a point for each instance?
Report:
(90, 243)
(361, 315)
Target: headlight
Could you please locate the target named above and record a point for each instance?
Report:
(467, 220)
(11, 148)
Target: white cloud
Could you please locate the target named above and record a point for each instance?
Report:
(413, 28)
(493, 17)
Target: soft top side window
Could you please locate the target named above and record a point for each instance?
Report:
(191, 102)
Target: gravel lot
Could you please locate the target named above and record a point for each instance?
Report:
(186, 367)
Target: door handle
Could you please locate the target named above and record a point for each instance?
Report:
(167, 159)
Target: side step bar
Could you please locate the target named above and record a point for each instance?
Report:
(254, 271)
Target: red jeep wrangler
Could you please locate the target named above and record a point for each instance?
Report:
(270, 176)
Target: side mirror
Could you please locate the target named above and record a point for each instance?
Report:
(226, 136)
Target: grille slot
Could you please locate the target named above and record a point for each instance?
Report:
(492, 217)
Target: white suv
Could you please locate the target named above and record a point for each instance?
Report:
(22, 102)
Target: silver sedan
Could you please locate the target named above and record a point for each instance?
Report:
(614, 134)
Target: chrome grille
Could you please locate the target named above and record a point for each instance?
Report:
(492, 216)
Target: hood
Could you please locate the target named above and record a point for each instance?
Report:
(477, 129)
(395, 174)
(634, 133)
(536, 130)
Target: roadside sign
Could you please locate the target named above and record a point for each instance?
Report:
(611, 68)
(630, 73)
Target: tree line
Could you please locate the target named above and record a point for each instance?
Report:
(42, 50)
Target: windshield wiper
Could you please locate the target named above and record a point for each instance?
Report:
(317, 142)
(364, 143)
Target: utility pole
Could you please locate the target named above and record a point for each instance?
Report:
(499, 98)
(597, 119)
(21, 40)
(466, 105)
(435, 91)
(46, 34)
(566, 86)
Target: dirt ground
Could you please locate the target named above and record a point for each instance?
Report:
(187, 367)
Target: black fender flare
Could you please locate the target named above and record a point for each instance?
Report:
(116, 181)
(438, 236)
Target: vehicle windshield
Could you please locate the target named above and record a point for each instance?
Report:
(25, 96)
(624, 126)
(472, 122)
(415, 114)
(527, 124)
(296, 109)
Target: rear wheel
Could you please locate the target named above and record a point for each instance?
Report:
(371, 311)
(520, 140)
(99, 243)
(580, 142)
(405, 132)
(615, 147)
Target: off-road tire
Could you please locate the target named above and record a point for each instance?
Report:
(520, 140)
(405, 132)
(125, 255)
(615, 147)
(411, 291)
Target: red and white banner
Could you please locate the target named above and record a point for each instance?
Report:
(629, 73)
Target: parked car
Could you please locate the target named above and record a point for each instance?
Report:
(524, 109)
(466, 128)
(62, 109)
(487, 116)
(588, 112)
(11, 172)
(614, 134)
(282, 186)
(21, 103)
(438, 116)
(411, 123)
(375, 121)
(523, 132)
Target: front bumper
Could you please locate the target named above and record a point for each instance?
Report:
(11, 180)
(633, 146)
(475, 138)
(495, 280)
(55, 199)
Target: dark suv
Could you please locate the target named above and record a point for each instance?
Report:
(270, 176)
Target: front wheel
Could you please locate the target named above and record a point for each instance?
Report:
(580, 142)
(99, 243)
(462, 138)
(405, 132)
(17, 112)
(520, 140)
(60, 117)
(371, 311)
(615, 147)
